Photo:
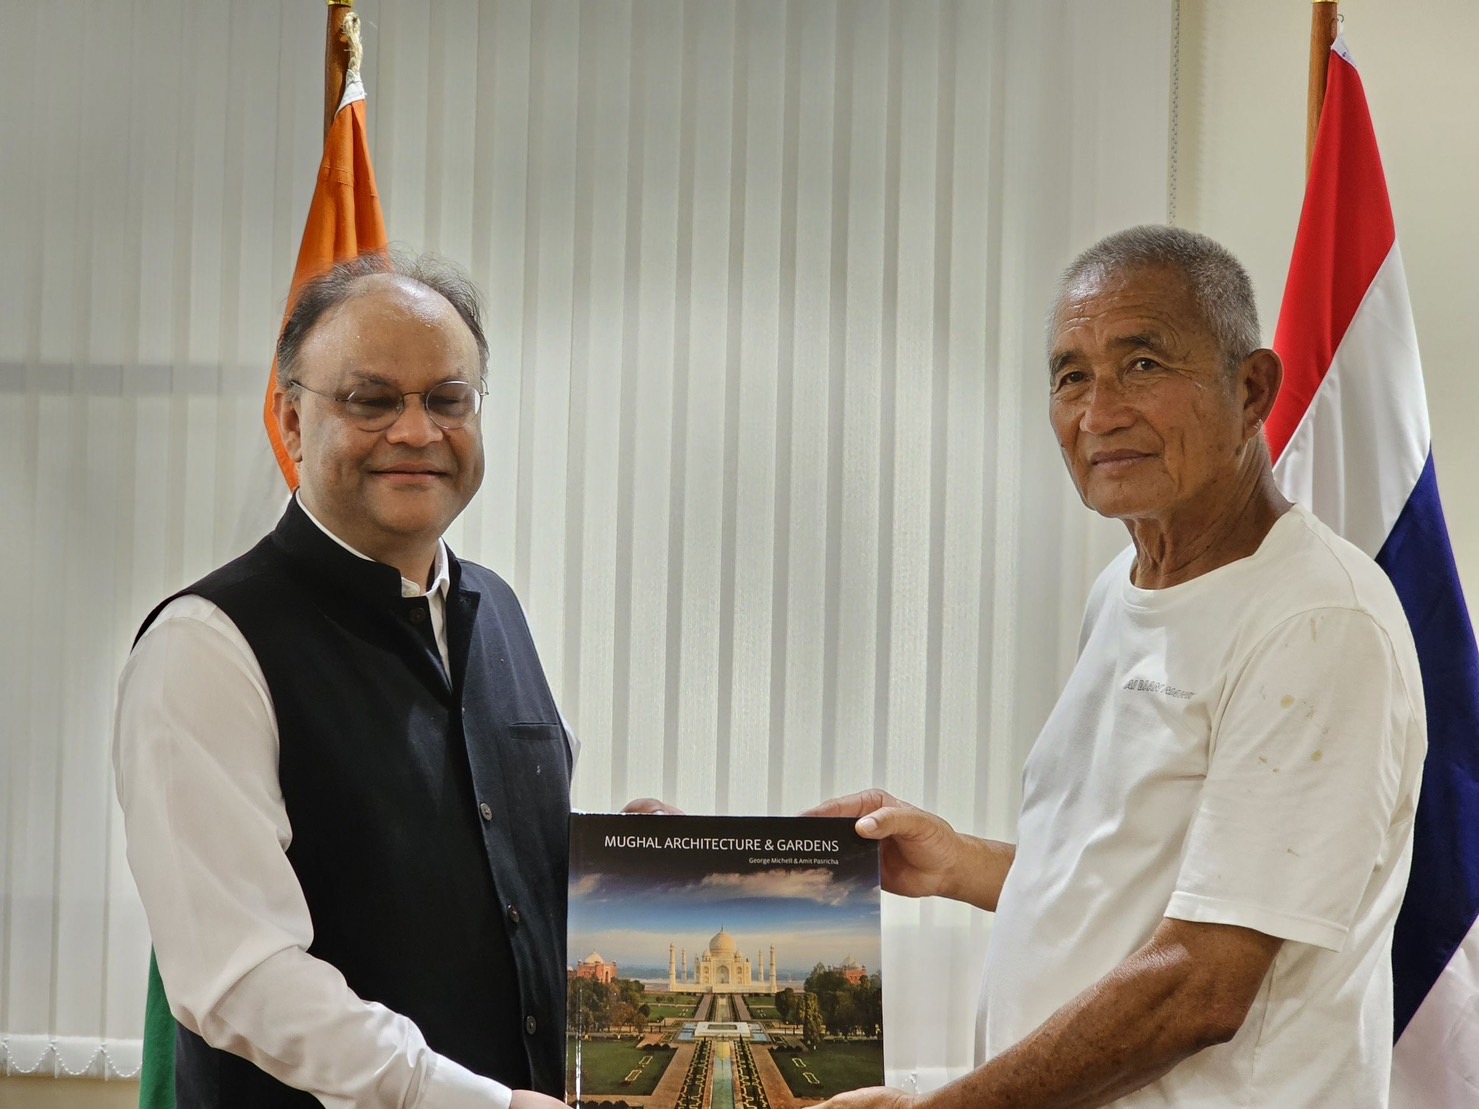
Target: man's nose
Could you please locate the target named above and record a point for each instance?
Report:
(414, 426)
(1106, 408)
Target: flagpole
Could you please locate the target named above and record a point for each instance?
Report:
(1324, 24)
(336, 58)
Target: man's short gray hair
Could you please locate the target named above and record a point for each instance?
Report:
(335, 286)
(1218, 283)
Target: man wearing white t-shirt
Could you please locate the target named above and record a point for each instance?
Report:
(1216, 822)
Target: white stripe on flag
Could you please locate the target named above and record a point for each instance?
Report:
(1362, 444)
(1434, 1063)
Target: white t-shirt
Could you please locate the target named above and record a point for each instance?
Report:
(1244, 748)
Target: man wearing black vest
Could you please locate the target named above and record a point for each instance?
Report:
(344, 779)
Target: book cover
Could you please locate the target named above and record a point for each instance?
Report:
(721, 962)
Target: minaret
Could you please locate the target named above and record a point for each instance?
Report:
(685, 964)
(772, 970)
(672, 978)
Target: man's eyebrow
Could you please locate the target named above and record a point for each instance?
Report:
(358, 376)
(1143, 340)
(366, 376)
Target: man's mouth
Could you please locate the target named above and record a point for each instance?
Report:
(410, 475)
(1116, 460)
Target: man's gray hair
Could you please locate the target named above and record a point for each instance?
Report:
(335, 286)
(1218, 283)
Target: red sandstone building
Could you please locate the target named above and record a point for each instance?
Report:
(595, 967)
(851, 970)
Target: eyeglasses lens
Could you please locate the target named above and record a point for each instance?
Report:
(449, 405)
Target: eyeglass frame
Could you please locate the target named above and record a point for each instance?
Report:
(400, 409)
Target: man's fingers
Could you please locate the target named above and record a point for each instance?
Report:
(651, 805)
(853, 804)
(530, 1099)
(873, 1097)
(901, 821)
(879, 814)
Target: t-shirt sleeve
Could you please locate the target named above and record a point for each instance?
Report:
(1303, 778)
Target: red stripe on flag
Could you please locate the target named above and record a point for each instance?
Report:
(1345, 234)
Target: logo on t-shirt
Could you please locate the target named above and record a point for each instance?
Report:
(1145, 685)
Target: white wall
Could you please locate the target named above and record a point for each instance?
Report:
(1240, 179)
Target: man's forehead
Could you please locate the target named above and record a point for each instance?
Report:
(390, 291)
(1150, 300)
(385, 325)
(385, 297)
(1158, 284)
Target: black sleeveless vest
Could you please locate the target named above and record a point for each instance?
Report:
(428, 810)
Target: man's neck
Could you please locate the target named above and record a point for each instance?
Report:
(419, 569)
(1188, 544)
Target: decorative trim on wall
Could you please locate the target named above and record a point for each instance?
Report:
(69, 1057)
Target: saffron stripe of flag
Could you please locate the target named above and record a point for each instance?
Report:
(1351, 437)
(344, 221)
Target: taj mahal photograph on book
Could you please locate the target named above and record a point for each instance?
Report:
(721, 962)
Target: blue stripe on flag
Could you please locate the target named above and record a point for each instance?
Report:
(1443, 894)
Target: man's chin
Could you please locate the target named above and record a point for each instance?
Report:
(414, 512)
(1122, 507)
(1124, 501)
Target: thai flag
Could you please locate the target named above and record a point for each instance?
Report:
(1351, 439)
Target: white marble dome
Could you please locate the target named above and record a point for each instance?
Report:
(722, 944)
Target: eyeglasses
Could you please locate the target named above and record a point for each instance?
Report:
(375, 407)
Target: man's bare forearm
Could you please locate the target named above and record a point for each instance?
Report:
(979, 872)
(1180, 993)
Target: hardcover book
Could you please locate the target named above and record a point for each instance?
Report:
(721, 962)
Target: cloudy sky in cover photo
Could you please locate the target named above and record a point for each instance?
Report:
(629, 903)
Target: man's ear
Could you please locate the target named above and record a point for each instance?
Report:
(1259, 378)
(289, 422)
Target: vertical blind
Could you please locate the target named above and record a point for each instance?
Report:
(768, 458)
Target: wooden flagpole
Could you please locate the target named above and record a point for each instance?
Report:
(1324, 25)
(336, 59)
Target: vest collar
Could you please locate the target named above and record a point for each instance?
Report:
(339, 568)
